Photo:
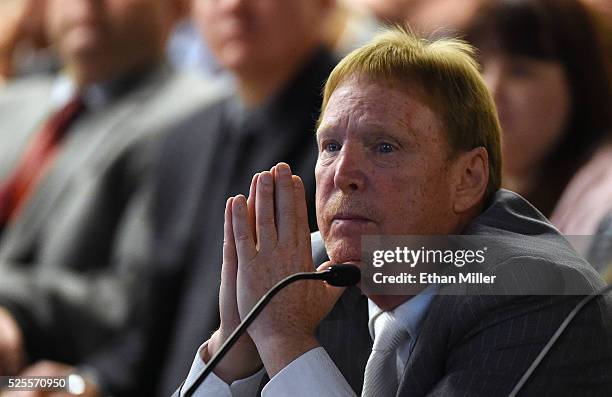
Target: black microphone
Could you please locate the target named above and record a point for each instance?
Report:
(338, 275)
(341, 275)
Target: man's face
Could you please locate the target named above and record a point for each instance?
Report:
(247, 36)
(101, 31)
(383, 167)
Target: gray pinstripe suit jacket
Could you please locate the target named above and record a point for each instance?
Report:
(480, 345)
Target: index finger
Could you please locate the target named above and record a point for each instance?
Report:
(243, 236)
(229, 244)
(251, 206)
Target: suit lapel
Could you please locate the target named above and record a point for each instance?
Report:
(426, 364)
(87, 138)
(348, 321)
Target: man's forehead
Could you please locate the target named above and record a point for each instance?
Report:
(377, 102)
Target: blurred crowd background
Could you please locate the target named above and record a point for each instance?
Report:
(125, 124)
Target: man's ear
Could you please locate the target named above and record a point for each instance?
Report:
(471, 171)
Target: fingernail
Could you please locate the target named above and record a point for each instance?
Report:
(265, 178)
(283, 169)
(240, 204)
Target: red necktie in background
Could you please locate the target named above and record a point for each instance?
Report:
(35, 160)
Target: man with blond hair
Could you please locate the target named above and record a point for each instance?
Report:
(408, 145)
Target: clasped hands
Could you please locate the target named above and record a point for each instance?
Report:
(267, 238)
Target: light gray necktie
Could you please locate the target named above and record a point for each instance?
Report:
(381, 377)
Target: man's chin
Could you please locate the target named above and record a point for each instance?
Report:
(344, 251)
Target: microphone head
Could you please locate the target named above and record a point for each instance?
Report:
(343, 275)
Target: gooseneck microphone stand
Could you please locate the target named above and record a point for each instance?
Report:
(336, 275)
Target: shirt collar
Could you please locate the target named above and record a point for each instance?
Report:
(62, 91)
(410, 313)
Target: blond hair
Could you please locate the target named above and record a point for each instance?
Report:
(446, 71)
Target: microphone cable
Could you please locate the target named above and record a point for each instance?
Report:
(568, 319)
(337, 275)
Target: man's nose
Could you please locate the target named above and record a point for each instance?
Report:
(349, 173)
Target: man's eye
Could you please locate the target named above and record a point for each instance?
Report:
(385, 148)
(332, 147)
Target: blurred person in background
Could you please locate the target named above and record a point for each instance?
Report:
(544, 62)
(346, 28)
(441, 18)
(187, 50)
(74, 153)
(603, 11)
(23, 40)
(602, 6)
(387, 11)
(600, 251)
(276, 53)
(427, 18)
(349, 26)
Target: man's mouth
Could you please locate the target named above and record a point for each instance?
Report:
(350, 218)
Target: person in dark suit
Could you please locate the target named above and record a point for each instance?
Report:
(408, 145)
(75, 150)
(276, 54)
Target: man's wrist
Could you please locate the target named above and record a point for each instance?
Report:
(279, 350)
(240, 362)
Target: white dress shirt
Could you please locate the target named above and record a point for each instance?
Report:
(314, 373)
